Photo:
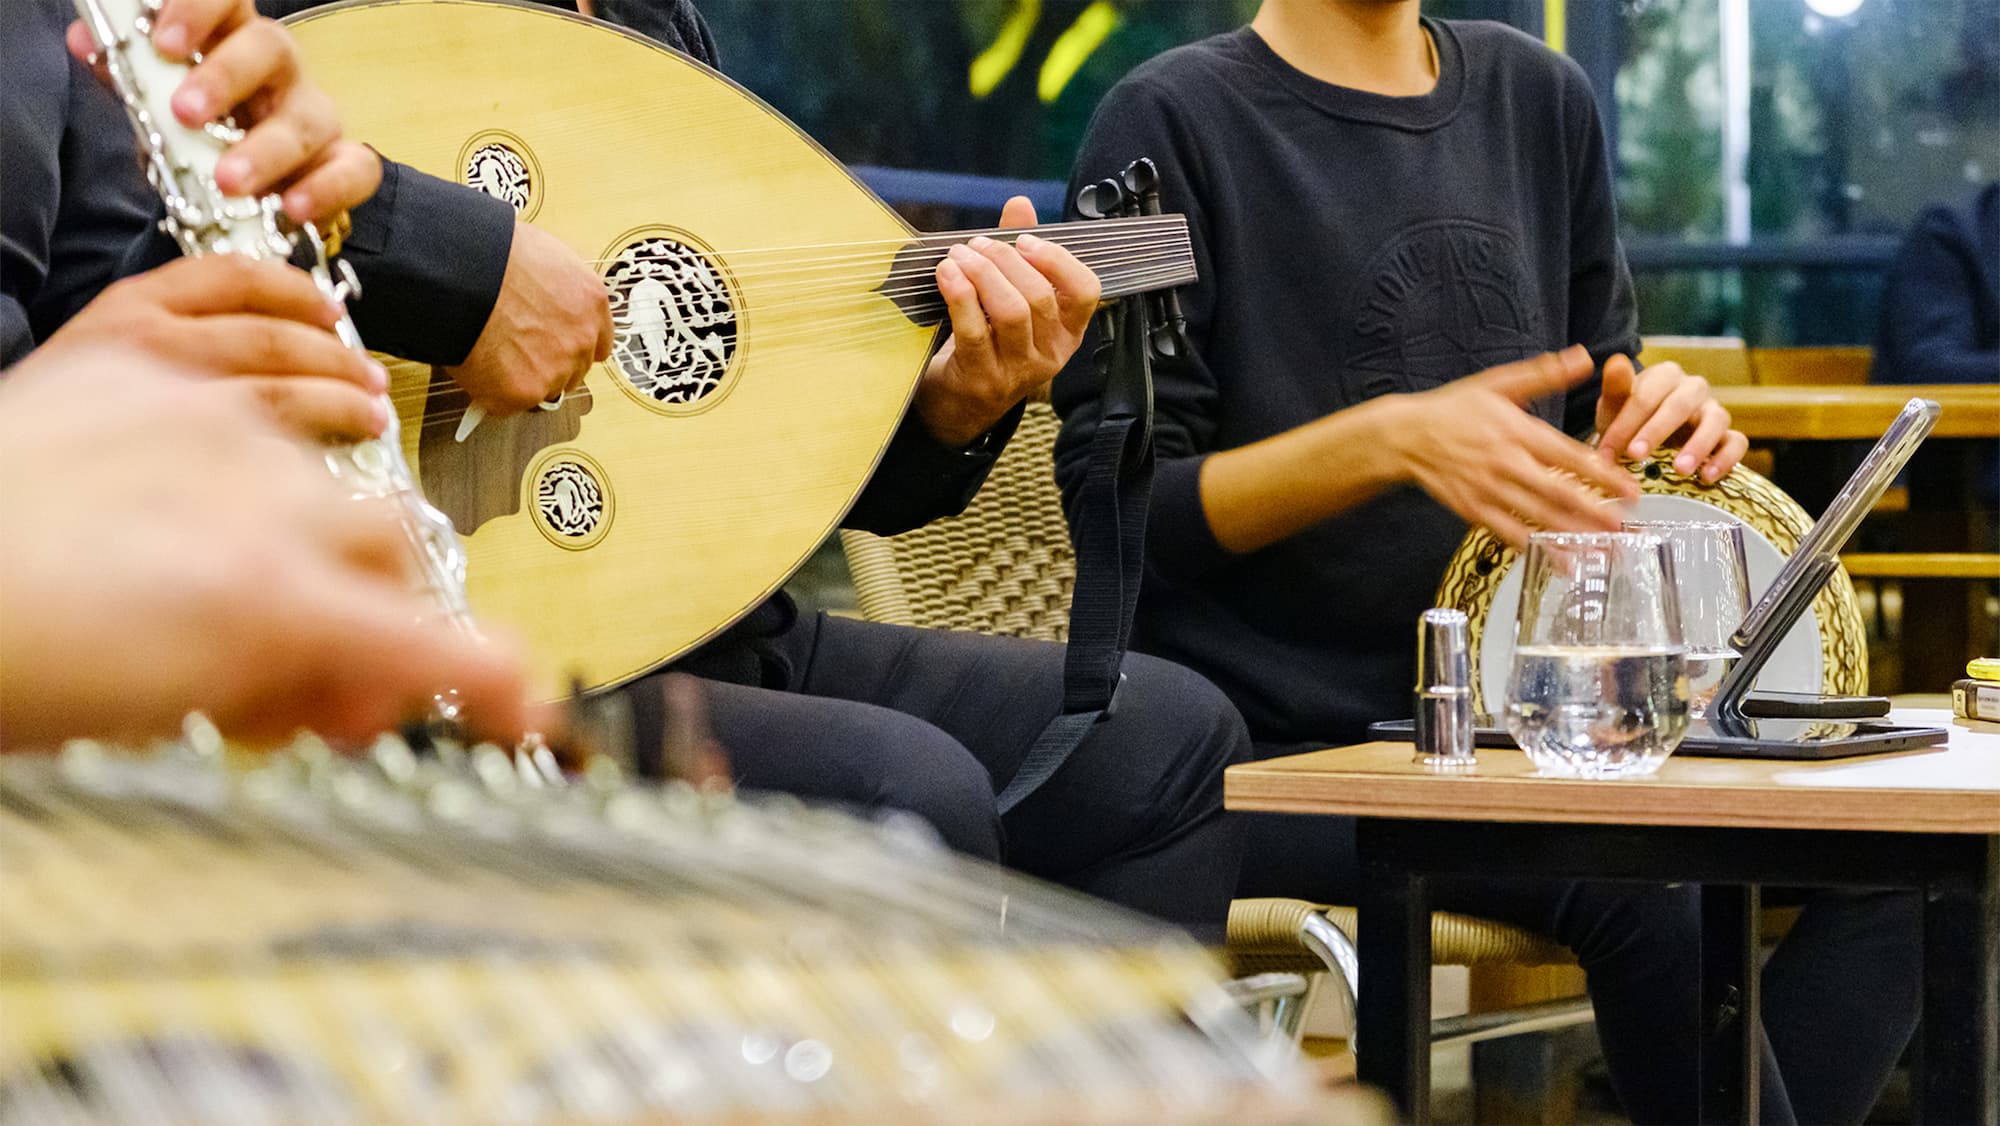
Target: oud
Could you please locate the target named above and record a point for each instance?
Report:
(773, 317)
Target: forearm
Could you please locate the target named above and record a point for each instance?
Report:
(1259, 494)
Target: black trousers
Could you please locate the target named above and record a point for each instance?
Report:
(1841, 993)
(936, 723)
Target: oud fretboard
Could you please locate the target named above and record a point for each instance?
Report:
(1128, 255)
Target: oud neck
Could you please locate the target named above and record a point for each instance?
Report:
(1134, 255)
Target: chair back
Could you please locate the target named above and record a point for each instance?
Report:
(1722, 360)
(1814, 367)
(1003, 566)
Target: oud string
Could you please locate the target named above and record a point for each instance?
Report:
(1066, 234)
(826, 331)
(862, 270)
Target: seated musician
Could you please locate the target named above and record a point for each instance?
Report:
(1401, 223)
(935, 722)
(931, 722)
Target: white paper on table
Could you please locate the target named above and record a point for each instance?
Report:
(1971, 761)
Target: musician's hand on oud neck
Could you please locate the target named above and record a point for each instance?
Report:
(1017, 315)
(250, 69)
(1638, 412)
(1475, 448)
(551, 322)
(170, 549)
(263, 325)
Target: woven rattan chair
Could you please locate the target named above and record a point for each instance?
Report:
(1005, 566)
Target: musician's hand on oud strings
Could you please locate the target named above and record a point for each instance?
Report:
(551, 321)
(264, 325)
(1017, 315)
(251, 70)
(169, 549)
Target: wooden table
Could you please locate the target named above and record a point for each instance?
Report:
(1770, 413)
(1924, 819)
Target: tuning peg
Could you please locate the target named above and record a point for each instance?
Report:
(1101, 200)
(1141, 177)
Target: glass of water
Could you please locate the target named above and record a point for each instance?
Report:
(1712, 582)
(1599, 685)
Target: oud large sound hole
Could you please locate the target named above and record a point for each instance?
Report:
(676, 316)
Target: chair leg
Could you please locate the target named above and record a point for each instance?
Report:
(1277, 1001)
(1288, 1014)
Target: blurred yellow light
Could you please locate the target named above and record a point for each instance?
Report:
(996, 61)
(1074, 46)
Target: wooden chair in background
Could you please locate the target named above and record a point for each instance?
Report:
(1722, 360)
(1811, 367)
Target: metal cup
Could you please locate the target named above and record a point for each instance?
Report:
(1443, 696)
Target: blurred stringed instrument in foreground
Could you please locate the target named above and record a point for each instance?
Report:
(194, 935)
(751, 392)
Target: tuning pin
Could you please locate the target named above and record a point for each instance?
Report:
(1141, 177)
(1101, 200)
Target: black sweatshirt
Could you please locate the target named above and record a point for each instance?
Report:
(1350, 245)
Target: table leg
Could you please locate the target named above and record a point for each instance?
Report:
(1730, 1021)
(1960, 1037)
(1393, 1024)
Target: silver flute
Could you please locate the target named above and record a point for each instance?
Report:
(180, 162)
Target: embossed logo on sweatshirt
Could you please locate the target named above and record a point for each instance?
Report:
(1438, 301)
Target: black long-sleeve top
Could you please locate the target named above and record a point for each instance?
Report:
(1350, 245)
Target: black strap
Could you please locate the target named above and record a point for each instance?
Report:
(1108, 529)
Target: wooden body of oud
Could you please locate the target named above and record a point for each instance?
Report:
(705, 508)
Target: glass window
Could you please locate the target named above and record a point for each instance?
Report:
(1812, 131)
(1790, 132)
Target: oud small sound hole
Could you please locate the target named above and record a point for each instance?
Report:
(573, 502)
(676, 320)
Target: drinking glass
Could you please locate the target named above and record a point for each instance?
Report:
(1712, 582)
(1599, 683)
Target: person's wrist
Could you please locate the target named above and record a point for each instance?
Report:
(1385, 429)
(952, 417)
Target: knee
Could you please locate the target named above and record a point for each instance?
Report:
(1603, 923)
(932, 776)
(1186, 715)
